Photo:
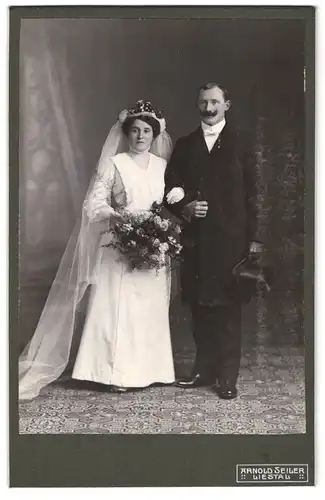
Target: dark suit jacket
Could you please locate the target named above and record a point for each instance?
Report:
(226, 178)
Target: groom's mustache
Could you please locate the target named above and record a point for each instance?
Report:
(209, 113)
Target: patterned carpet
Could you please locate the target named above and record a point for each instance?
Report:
(271, 400)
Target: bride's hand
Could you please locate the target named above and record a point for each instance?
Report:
(175, 195)
(116, 217)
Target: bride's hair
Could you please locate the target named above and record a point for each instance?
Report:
(155, 125)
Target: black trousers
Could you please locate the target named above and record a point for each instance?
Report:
(217, 335)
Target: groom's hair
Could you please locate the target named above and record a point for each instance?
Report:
(212, 85)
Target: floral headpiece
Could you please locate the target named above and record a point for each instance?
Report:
(144, 108)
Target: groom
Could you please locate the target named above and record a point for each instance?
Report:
(214, 171)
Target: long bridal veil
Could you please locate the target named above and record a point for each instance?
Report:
(47, 354)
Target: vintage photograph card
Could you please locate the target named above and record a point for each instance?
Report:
(161, 246)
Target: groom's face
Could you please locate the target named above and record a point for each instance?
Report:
(212, 105)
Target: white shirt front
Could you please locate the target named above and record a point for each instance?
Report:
(211, 133)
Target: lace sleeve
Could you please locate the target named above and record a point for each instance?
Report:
(98, 202)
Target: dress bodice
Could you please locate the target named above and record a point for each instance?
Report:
(142, 186)
(121, 183)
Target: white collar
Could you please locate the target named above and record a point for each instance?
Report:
(217, 128)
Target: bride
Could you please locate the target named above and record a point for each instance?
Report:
(125, 341)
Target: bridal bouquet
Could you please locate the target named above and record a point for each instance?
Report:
(147, 239)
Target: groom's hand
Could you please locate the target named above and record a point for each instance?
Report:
(255, 248)
(196, 208)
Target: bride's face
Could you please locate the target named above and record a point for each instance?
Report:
(140, 136)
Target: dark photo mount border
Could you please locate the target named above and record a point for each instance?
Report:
(155, 460)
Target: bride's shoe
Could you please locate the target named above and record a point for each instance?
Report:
(117, 388)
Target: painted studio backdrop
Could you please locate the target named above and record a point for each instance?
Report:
(75, 78)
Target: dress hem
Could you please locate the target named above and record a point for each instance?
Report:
(119, 384)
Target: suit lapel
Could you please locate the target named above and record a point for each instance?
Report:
(200, 141)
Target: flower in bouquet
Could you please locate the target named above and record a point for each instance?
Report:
(164, 225)
(175, 245)
(146, 238)
(161, 223)
(172, 241)
(124, 227)
(164, 247)
(178, 249)
(157, 220)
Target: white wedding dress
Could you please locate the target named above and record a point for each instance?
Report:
(126, 337)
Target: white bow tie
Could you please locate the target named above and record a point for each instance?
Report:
(210, 133)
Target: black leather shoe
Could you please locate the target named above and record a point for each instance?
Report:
(226, 392)
(192, 382)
